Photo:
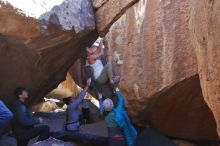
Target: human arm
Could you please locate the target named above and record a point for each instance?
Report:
(88, 83)
(78, 99)
(100, 104)
(99, 54)
(24, 117)
(81, 95)
(5, 115)
(121, 101)
(100, 51)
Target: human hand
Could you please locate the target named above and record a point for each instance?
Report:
(117, 89)
(100, 95)
(88, 50)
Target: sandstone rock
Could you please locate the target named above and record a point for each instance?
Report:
(110, 12)
(37, 52)
(98, 3)
(48, 106)
(205, 28)
(65, 89)
(154, 54)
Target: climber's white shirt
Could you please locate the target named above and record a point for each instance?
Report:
(97, 67)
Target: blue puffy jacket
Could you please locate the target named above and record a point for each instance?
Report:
(123, 121)
(5, 115)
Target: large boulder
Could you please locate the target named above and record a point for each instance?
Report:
(155, 55)
(205, 30)
(108, 12)
(40, 40)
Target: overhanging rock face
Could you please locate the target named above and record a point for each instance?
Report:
(109, 11)
(205, 30)
(154, 53)
(37, 51)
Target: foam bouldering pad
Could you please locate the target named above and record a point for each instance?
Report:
(149, 137)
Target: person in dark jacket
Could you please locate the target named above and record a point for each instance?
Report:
(24, 123)
(5, 117)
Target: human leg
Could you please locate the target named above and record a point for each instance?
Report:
(106, 74)
(22, 142)
(42, 131)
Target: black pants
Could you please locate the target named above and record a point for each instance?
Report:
(115, 142)
(25, 135)
(91, 140)
(105, 89)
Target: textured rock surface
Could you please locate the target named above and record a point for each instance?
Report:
(110, 12)
(205, 28)
(98, 3)
(65, 89)
(37, 53)
(153, 52)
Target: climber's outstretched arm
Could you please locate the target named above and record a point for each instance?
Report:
(121, 101)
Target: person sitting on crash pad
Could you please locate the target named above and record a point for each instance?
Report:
(120, 130)
(25, 125)
(73, 111)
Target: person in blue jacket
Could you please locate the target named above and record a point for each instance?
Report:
(73, 111)
(120, 130)
(5, 116)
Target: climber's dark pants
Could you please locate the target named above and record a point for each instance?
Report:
(24, 135)
(105, 74)
(97, 88)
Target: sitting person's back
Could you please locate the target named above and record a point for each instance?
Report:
(24, 123)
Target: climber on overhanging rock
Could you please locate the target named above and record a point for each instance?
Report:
(100, 73)
(120, 130)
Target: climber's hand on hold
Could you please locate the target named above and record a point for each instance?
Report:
(117, 89)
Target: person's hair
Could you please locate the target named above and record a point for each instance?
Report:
(18, 91)
(67, 100)
(108, 104)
